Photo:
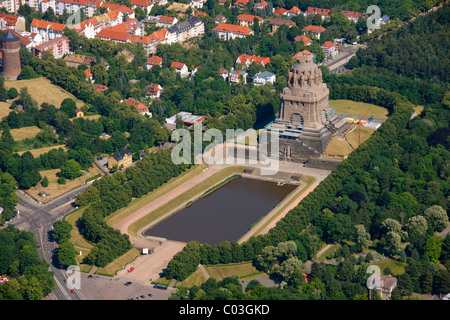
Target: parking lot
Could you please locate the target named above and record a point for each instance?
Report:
(96, 287)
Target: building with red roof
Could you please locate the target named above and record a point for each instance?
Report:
(246, 60)
(260, 5)
(306, 41)
(313, 30)
(153, 61)
(247, 20)
(280, 11)
(142, 108)
(277, 22)
(240, 3)
(59, 47)
(12, 21)
(153, 90)
(100, 87)
(324, 13)
(47, 30)
(329, 49)
(226, 31)
(181, 68)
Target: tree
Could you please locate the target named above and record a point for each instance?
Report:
(362, 237)
(44, 182)
(436, 217)
(66, 254)
(70, 169)
(68, 106)
(433, 248)
(12, 93)
(393, 242)
(62, 231)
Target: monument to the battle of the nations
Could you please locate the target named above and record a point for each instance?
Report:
(305, 122)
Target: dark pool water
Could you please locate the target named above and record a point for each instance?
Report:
(224, 215)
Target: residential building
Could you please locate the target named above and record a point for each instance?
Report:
(122, 159)
(47, 30)
(352, 15)
(227, 31)
(277, 22)
(265, 77)
(178, 7)
(224, 73)
(187, 118)
(89, 75)
(74, 60)
(142, 108)
(153, 91)
(260, 5)
(306, 41)
(100, 87)
(79, 113)
(181, 68)
(247, 20)
(329, 49)
(324, 13)
(220, 19)
(145, 5)
(72, 6)
(315, 31)
(197, 4)
(12, 21)
(281, 11)
(153, 61)
(237, 75)
(240, 4)
(246, 60)
(59, 47)
(192, 27)
(166, 22)
(387, 284)
(294, 11)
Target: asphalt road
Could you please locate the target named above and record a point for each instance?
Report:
(39, 219)
(339, 62)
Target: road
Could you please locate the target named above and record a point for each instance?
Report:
(339, 62)
(39, 219)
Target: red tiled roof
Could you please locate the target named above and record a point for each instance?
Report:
(241, 2)
(280, 22)
(177, 65)
(140, 106)
(351, 14)
(141, 3)
(226, 27)
(166, 20)
(155, 60)
(100, 88)
(280, 11)
(41, 24)
(257, 59)
(152, 89)
(50, 43)
(323, 12)
(314, 29)
(263, 4)
(10, 19)
(248, 18)
(88, 73)
(303, 38)
(328, 44)
(295, 10)
(301, 52)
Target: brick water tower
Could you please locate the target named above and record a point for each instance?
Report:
(10, 45)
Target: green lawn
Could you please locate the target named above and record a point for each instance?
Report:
(357, 109)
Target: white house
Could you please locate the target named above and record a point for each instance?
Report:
(262, 78)
(181, 68)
